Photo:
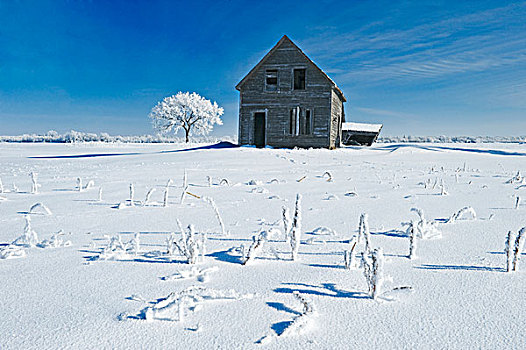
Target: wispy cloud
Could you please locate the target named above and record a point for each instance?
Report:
(473, 42)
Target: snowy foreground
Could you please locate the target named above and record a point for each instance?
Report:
(116, 277)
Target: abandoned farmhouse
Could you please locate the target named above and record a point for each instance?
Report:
(286, 100)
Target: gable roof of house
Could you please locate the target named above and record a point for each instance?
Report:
(281, 41)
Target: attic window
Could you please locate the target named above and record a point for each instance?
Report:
(299, 79)
(271, 80)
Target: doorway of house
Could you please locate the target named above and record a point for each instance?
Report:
(259, 129)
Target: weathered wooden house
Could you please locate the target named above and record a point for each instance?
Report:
(288, 101)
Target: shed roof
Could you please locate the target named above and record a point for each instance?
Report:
(364, 127)
(283, 39)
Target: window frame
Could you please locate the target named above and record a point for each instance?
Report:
(266, 80)
(304, 69)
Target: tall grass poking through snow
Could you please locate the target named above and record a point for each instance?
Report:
(287, 222)
(216, 212)
(295, 233)
(255, 247)
(508, 251)
(1, 186)
(189, 245)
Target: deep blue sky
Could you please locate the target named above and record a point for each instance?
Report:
(421, 68)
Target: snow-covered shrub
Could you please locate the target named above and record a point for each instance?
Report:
(216, 212)
(36, 206)
(188, 245)
(55, 241)
(202, 275)
(29, 238)
(34, 182)
(117, 249)
(424, 229)
(295, 233)
(349, 256)
(373, 270)
(466, 210)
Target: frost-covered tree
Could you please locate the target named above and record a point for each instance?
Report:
(188, 111)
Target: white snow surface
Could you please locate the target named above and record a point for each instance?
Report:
(361, 127)
(461, 297)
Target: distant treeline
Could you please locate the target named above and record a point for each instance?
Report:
(77, 136)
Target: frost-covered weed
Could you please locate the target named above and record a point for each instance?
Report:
(373, 270)
(517, 202)
(329, 176)
(508, 251)
(100, 194)
(183, 194)
(301, 322)
(518, 248)
(12, 251)
(189, 245)
(29, 238)
(36, 206)
(79, 184)
(175, 306)
(1, 186)
(518, 178)
(424, 229)
(209, 181)
(412, 240)
(117, 249)
(287, 221)
(363, 231)
(34, 182)
(349, 256)
(255, 247)
(295, 233)
(55, 241)
(216, 212)
(148, 197)
(185, 179)
(132, 195)
(464, 211)
(224, 182)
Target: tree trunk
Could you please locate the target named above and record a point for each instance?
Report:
(187, 133)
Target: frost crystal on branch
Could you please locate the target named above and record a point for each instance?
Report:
(187, 111)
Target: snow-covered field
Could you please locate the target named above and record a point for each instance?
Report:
(83, 289)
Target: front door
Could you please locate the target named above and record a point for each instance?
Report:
(259, 129)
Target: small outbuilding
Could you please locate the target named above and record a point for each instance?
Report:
(286, 100)
(360, 134)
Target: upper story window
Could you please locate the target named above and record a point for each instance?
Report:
(271, 80)
(299, 79)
